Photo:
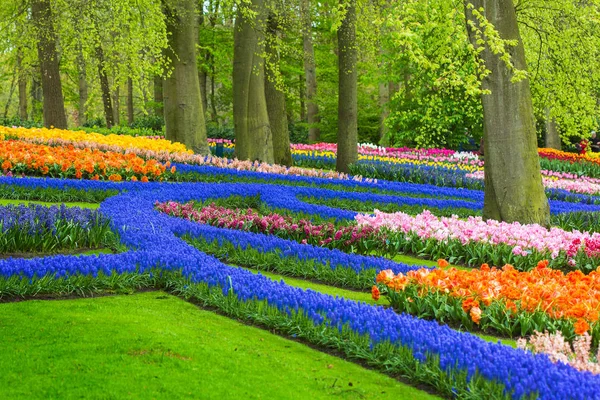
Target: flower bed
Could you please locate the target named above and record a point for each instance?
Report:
(81, 139)
(573, 248)
(67, 162)
(505, 300)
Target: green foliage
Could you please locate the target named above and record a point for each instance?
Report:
(215, 52)
(427, 52)
(216, 131)
(298, 132)
(16, 121)
(561, 39)
(149, 122)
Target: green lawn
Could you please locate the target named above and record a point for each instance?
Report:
(153, 345)
(5, 202)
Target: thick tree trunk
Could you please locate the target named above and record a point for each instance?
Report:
(184, 116)
(513, 182)
(53, 104)
(158, 96)
(253, 138)
(310, 75)
(130, 111)
(347, 140)
(83, 89)
(105, 88)
(22, 86)
(552, 136)
(276, 109)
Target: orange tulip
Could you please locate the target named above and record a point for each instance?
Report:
(581, 327)
(375, 293)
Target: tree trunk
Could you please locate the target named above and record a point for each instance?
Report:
(275, 98)
(53, 103)
(310, 75)
(214, 9)
(384, 99)
(184, 116)
(116, 101)
(203, 77)
(253, 138)
(513, 182)
(83, 89)
(105, 88)
(552, 136)
(11, 91)
(36, 100)
(387, 91)
(302, 96)
(22, 86)
(205, 55)
(347, 140)
(158, 96)
(130, 101)
(213, 101)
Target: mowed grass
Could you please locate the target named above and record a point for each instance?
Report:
(156, 346)
(6, 202)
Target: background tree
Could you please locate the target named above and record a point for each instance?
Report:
(184, 117)
(310, 75)
(347, 137)
(254, 140)
(274, 87)
(54, 107)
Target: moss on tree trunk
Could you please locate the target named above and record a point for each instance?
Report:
(513, 182)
